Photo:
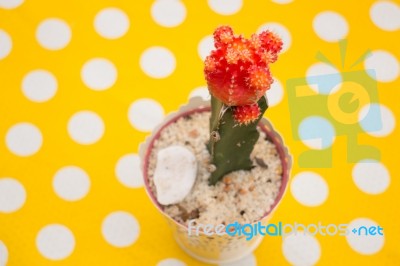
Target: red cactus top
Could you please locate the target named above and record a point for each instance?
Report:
(237, 71)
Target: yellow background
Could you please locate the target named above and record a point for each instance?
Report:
(19, 229)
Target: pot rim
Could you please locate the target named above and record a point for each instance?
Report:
(265, 126)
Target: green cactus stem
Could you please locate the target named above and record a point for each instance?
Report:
(230, 143)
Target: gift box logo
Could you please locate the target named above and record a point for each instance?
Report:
(324, 107)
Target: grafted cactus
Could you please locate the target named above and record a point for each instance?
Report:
(237, 74)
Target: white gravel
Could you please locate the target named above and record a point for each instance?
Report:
(242, 196)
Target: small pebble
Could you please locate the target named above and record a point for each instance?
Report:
(278, 170)
(227, 180)
(212, 168)
(193, 133)
(242, 191)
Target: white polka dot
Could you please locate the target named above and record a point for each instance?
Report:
(316, 132)
(322, 78)
(3, 254)
(205, 47)
(330, 26)
(24, 139)
(39, 85)
(385, 15)
(157, 62)
(377, 120)
(371, 177)
(111, 23)
(12, 195)
(385, 65)
(168, 13)
(202, 92)
(71, 183)
(301, 249)
(225, 7)
(128, 171)
(281, 31)
(55, 242)
(309, 189)
(120, 229)
(53, 34)
(85, 127)
(283, 2)
(10, 4)
(171, 262)
(249, 260)
(99, 74)
(361, 243)
(145, 114)
(5, 44)
(275, 93)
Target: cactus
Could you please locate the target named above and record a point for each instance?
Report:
(237, 74)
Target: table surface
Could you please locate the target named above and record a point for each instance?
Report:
(84, 82)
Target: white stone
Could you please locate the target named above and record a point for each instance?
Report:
(175, 174)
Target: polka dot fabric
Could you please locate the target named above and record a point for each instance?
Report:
(82, 84)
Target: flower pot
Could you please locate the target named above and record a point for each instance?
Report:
(215, 248)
